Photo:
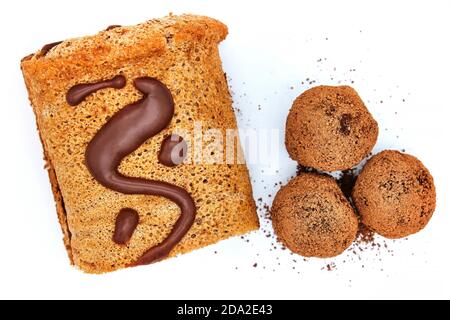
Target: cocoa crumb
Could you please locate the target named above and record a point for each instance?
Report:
(366, 236)
(330, 267)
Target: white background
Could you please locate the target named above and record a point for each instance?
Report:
(399, 50)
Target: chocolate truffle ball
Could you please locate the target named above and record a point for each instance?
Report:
(395, 195)
(312, 217)
(330, 129)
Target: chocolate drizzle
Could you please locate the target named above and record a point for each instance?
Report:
(28, 57)
(78, 93)
(126, 222)
(114, 26)
(173, 151)
(45, 49)
(124, 133)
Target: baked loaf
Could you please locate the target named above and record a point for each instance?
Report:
(395, 194)
(121, 202)
(312, 217)
(329, 128)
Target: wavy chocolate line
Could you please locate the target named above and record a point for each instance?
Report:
(124, 133)
(80, 92)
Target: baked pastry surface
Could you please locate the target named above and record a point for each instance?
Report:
(395, 194)
(182, 53)
(312, 217)
(330, 129)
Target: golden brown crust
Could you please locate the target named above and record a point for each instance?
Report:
(395, 194)
(312, 217)
(180, 51)
(57, 196)
(329, 128)
(60, 210)
(74, 58)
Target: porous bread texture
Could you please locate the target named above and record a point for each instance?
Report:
(329, 128)
(312, 217)
(395, 194)
(180, 51)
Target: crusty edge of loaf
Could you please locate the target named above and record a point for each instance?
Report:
(57, 195)
(95, 48)
(60, 209)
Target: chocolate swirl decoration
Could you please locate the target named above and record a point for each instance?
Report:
(46, 49)
(78, 93)
(126, 222)
(123, 134)
(114, 26)
(173, 151)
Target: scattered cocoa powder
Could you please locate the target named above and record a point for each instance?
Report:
(365, 235)
(330, 267)
(366, 239)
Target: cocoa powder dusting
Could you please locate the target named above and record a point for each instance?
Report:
(366, 240)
